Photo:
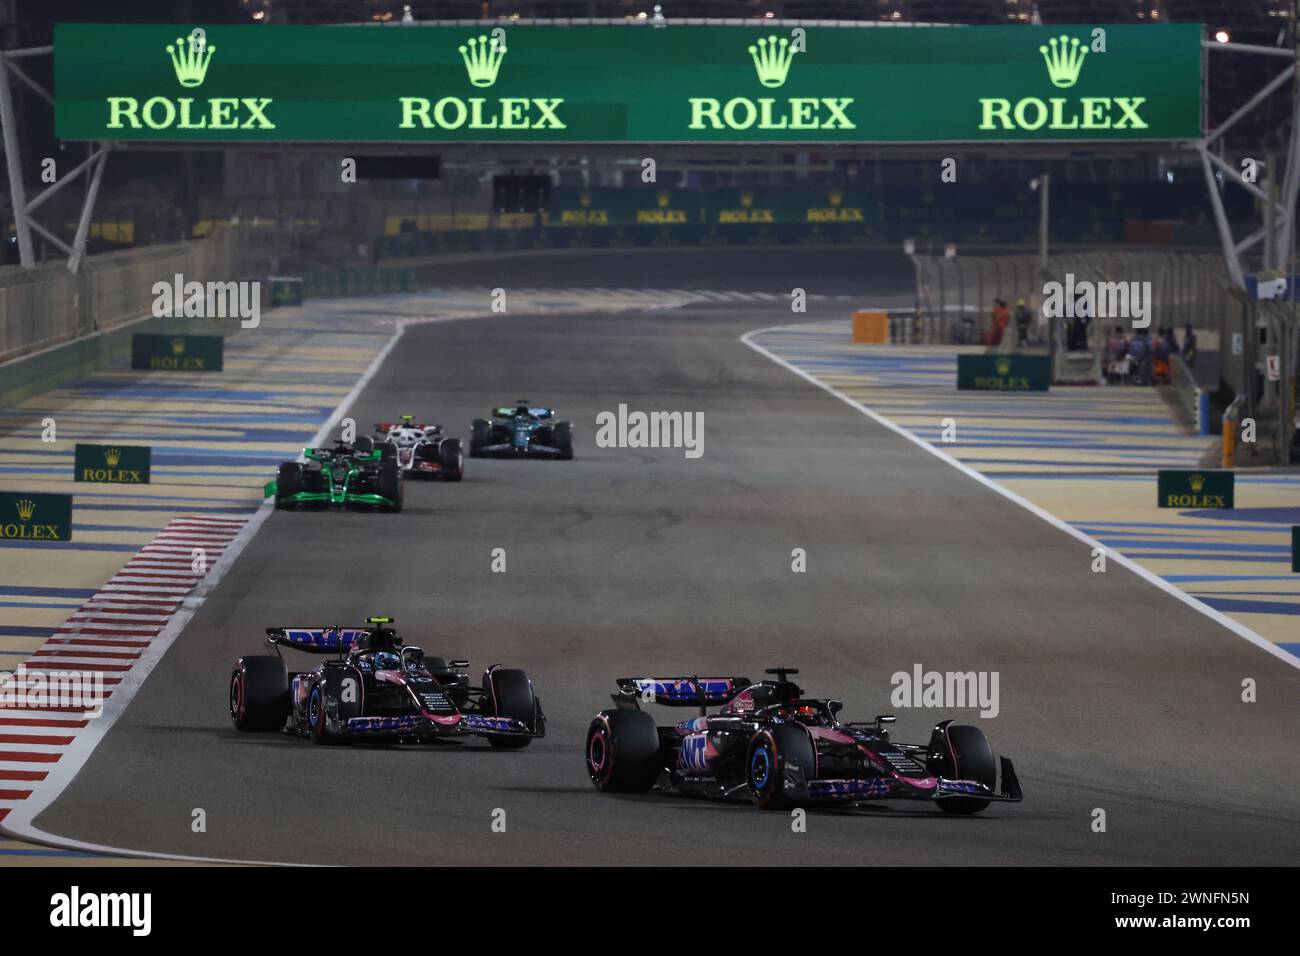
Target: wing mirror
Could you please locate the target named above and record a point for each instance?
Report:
(835, 706)
(882, 719)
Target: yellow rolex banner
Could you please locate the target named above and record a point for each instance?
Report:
(113, 464)
(1195, 489)
(35, 516)
(177, 353)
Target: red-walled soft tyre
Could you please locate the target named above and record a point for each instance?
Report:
(623, 752)
(259, 693)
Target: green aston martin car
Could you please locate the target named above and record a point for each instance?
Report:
(356, 474)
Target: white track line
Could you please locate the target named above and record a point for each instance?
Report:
(1236, 627)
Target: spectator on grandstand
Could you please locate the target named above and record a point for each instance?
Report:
(1160, 352)
(1189, 346)
(1000, 318)
(1139, 351)
(1117, 360)
(1023, 318)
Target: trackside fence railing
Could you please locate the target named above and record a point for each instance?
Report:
(47, 306)
(954, 296)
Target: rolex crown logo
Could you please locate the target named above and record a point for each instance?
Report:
(178, 345)
(835, 196)
(747, 199)
(1197, 482)
(1003, 365)
(190, 59)
(26, 508)
(772, 59)
(1064, 59)
(112, 456)
(663, 198)
(482, 58)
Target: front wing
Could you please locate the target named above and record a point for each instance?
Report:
(435, 725)
(849, 791)
(510, 450)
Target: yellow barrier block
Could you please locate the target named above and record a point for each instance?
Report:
(870, 327)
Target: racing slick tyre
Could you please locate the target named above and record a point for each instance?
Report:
(564, 440)
(288, 482)
(511, 693)
(317, 717)
(961, 752)
(259, 693)
(775, 754)
(623, 752)
(387, 451)
(390, 484)
(451, 455)
(478, 437)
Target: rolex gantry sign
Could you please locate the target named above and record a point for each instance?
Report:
(112, 464)
(575, 84)
(31, 516)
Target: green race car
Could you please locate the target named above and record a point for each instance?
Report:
(360, 474)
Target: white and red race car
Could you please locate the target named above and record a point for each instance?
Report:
(422, 450)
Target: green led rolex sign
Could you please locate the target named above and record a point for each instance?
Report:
(626, 84)
(483, 56)
(190, 58)
(773, 57)
(1063, 57)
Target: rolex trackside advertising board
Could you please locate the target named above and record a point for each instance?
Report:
(35, 516)
(112, 464)
(177, 353)
(1004, 373)
(281, 83)
(1195, 489)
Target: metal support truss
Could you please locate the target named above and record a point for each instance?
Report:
(1278, 231)
(92, 168)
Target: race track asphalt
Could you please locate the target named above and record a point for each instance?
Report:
(629, 562)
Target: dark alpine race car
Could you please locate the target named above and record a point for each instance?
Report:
(774, 746)
(376, 686)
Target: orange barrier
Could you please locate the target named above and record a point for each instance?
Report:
(872, 327)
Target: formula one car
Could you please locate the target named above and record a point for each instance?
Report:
(376, 686)
(522, 431)
(423, 449)
(348, 475)
(780, 749)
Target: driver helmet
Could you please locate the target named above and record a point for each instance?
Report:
(387, 661)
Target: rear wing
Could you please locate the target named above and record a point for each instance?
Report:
(678, 691)
(389, 426)
(316, 640)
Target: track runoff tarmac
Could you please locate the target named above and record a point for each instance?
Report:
(634, 562)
